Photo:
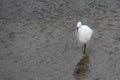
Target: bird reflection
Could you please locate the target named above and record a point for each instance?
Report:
(82, 68)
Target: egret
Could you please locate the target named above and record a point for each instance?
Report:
(84, 34)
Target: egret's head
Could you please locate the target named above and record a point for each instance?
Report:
(79, 24)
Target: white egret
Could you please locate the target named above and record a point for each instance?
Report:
(84, 34)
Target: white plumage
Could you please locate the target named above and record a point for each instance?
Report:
(84, 34)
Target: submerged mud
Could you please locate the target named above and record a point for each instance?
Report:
(82, 68)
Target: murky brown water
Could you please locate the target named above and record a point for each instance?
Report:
(82, 68)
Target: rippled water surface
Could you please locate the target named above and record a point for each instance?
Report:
(40, 44)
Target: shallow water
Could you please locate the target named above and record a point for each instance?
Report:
(47, 49)
(38, 42)
(30, 9)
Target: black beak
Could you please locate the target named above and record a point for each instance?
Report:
(77, 29)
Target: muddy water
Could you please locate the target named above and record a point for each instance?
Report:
(46, 49)
(82, 68)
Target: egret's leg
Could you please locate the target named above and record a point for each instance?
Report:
(84, 48)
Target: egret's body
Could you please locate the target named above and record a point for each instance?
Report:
(84, 34)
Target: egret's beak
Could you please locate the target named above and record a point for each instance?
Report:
(77, 29)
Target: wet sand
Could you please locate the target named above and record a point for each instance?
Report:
(47, 49)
